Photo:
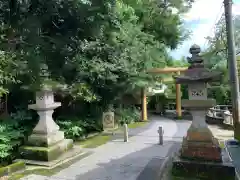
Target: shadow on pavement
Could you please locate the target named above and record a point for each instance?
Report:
(130, 166)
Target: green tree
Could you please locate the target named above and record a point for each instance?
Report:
(216, 57)
(97, 50)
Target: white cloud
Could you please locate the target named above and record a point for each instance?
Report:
(203, 9)
(206, 13)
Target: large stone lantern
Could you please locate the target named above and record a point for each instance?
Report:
(200, 151)
(46, 145)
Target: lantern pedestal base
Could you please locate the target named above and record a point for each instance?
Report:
(200, 144)
(45, 140)
(201, 169)
(201, 150)
(201, 156)
(45, 155)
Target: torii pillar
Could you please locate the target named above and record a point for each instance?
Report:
(177, 70)
(178, 99)
(144, 104)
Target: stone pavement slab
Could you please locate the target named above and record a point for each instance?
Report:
(116, 159)
(220, 133)
(37, 177)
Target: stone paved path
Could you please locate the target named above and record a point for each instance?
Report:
(117, 160)
(220, 133)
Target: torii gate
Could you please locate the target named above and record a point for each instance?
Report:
(177, 70)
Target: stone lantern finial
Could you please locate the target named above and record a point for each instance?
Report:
(44, 71)
(196, 61)
(44, 77)
(195, 49)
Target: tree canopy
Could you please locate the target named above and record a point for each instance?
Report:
(216, 56)
(96, 49)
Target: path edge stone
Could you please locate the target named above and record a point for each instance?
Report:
(154, 169)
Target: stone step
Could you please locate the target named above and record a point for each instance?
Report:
(73, 153)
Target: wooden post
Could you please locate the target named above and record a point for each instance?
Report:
(178, 99)
(144, 104)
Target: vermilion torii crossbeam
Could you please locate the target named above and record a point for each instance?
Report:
(166, 70)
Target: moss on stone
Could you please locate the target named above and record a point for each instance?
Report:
(35, 148)
(37, 143)
(237, 132)
(137, 124)
(43, 153)
(16, 177)
(197, 171)
(35, 153)
(48, 172)
(17, 166)
(221, 144)
(95, 141)
(4, 171)
(20, 165)
(69, 146)
(178, 117)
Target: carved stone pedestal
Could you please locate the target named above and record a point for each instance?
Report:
(199, 144)
(196, 169)
(47, 145)
(201, 150)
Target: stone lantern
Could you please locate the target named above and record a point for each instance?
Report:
(200, 150)
(46, 145)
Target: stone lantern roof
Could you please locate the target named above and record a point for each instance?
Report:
(196, 71)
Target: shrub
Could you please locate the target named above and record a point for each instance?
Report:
(72, 130)
(75, 128)
(13, 131)
(10, 140)
(24, 120)
(127, 115)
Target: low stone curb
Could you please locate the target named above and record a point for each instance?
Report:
(38, 177)
(72, 154)
(67, 163)
(90, 135)
(230, 157)
(154, 169)
(12, 168)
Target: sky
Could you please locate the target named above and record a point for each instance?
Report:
(201, 20)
